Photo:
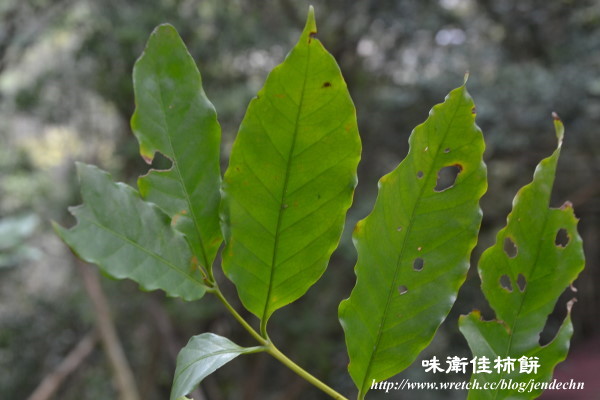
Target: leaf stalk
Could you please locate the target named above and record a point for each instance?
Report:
(274, 351)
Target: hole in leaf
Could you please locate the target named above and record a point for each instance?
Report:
(505, 283)
(562, 238)
(419, 174)
(521, 282)
(510, 248)
(447, 177)
(399, 228)
(402, 289)
(447, 150)
(160, 162)
(418, 264)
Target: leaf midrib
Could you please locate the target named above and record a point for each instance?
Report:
(144, 250)
(175, 166)
(400, 256)
(535, 264)
(264, 316)
(236, 352)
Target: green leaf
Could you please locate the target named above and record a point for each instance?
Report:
(202, 356)
(413, 249)
(129, 238)
(290, 180)
(173, 116)
(522, 276)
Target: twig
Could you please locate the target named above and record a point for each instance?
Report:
(52, 382)
(108, 334)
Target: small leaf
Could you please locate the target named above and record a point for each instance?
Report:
(539, 270)
(202, 356)
(173, 116)
(413, 249)
(129, 238)
(290, 180)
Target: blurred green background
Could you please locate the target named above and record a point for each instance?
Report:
(66, 95)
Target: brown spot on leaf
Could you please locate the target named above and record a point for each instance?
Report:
(326, 84)
(280, 95)
(358, 227)
(311, 35)
(194, 263)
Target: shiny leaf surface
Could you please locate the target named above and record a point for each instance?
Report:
(290, 179)
(202, 356)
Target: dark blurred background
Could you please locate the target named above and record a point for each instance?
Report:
(66, 95)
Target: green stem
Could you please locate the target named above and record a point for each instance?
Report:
(274, 351)
(239, 318)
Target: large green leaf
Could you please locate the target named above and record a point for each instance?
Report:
(129, 238)
(173, 116)
(290, 180)
(536, 256)
(413, 249)
(202, 356)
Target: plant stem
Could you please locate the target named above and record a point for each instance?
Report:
(239, 318)
(274, 351)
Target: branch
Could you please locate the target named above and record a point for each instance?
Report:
(108, 334)
(52, 382)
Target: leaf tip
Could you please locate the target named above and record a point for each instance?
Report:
(164, 28)
(310, 29)
(559, 128)
(466, 78)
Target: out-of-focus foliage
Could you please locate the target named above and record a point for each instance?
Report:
(65, 94)
(14, 231)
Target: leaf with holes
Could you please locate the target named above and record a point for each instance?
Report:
(202, 356)
(174, 117)
(290, 179)
(536, 257)
(129, 238)
(413, 249)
